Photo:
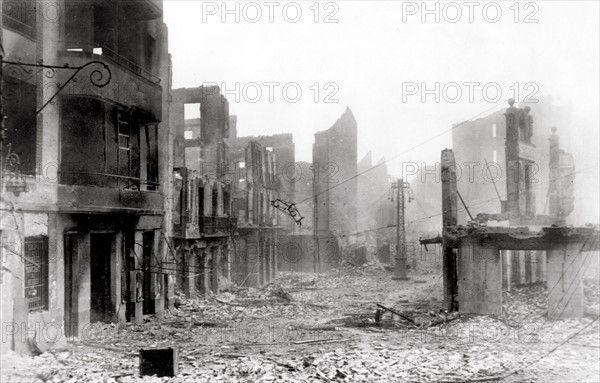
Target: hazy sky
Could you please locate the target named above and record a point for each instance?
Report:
(369, 54)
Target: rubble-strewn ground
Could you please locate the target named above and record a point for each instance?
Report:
(311, 328)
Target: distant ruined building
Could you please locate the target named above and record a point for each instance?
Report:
(490, 158)
(335, 182)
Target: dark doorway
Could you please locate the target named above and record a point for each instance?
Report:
(201, 202)
(101, 248)
(200, 272)
(129, 271)
(148, 239)
(70, 295)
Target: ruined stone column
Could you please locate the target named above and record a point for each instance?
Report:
(541, 266)
(189, 284)
(137, 278)
(275, 255)
(480, 278)
(252, 260)
(214, 269)
(506, 269)
(202, 270)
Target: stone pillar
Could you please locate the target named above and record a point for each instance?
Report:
(214, 269)
(541, 266)
(82, 283)
(530, 266)
(238, 262)
(189, 280)
(138, 278)
(156, 287)
(268, 260)
(261, 259)
(116, 265)
(480, 279)
(252, 260)
(275, 249)
(201, 270)
(522, 271)
(565, 287)
(506, 269)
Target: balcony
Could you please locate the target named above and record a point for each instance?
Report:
(217, 225)
(130, 85)
(207, 227)
(89, 199)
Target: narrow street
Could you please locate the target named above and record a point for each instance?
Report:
(305, 328)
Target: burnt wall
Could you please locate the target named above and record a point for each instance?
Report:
(335, 184)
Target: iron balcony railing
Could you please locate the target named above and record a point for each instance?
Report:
(99, 49)
(215, 225)
(105, 179)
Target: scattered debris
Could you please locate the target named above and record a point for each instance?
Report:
(328, 333)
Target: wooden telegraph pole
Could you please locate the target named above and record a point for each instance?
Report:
(449, 220)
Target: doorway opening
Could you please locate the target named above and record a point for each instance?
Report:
(148, 254)
(101, 252)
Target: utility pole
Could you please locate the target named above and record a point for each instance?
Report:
(400, 266)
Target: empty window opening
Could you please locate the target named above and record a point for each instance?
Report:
(242, 171)
(494, 130)
(191, 111)
(36, 273)
(148, 256)
(188, 134)
(201, 201)
(215, 200)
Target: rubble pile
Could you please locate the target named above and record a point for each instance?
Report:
(299, 330)
(525, 304)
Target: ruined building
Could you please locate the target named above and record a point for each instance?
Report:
(481, 148)
(372, 186)
(303, 195)
(84, 179)
(282, 146)
(335, 183)
(479, 259)
(259, 222)
(514, 174)
(375, 210)
(203, 219)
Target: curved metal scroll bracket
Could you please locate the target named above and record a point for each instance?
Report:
(11, 171)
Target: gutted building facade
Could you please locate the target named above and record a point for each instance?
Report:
(335, 185)
(507, 169)
(288, 172)
(204, 222)
(83, 184)
(257, 188)
(479, 260)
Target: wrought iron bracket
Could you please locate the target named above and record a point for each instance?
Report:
(14, 180)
